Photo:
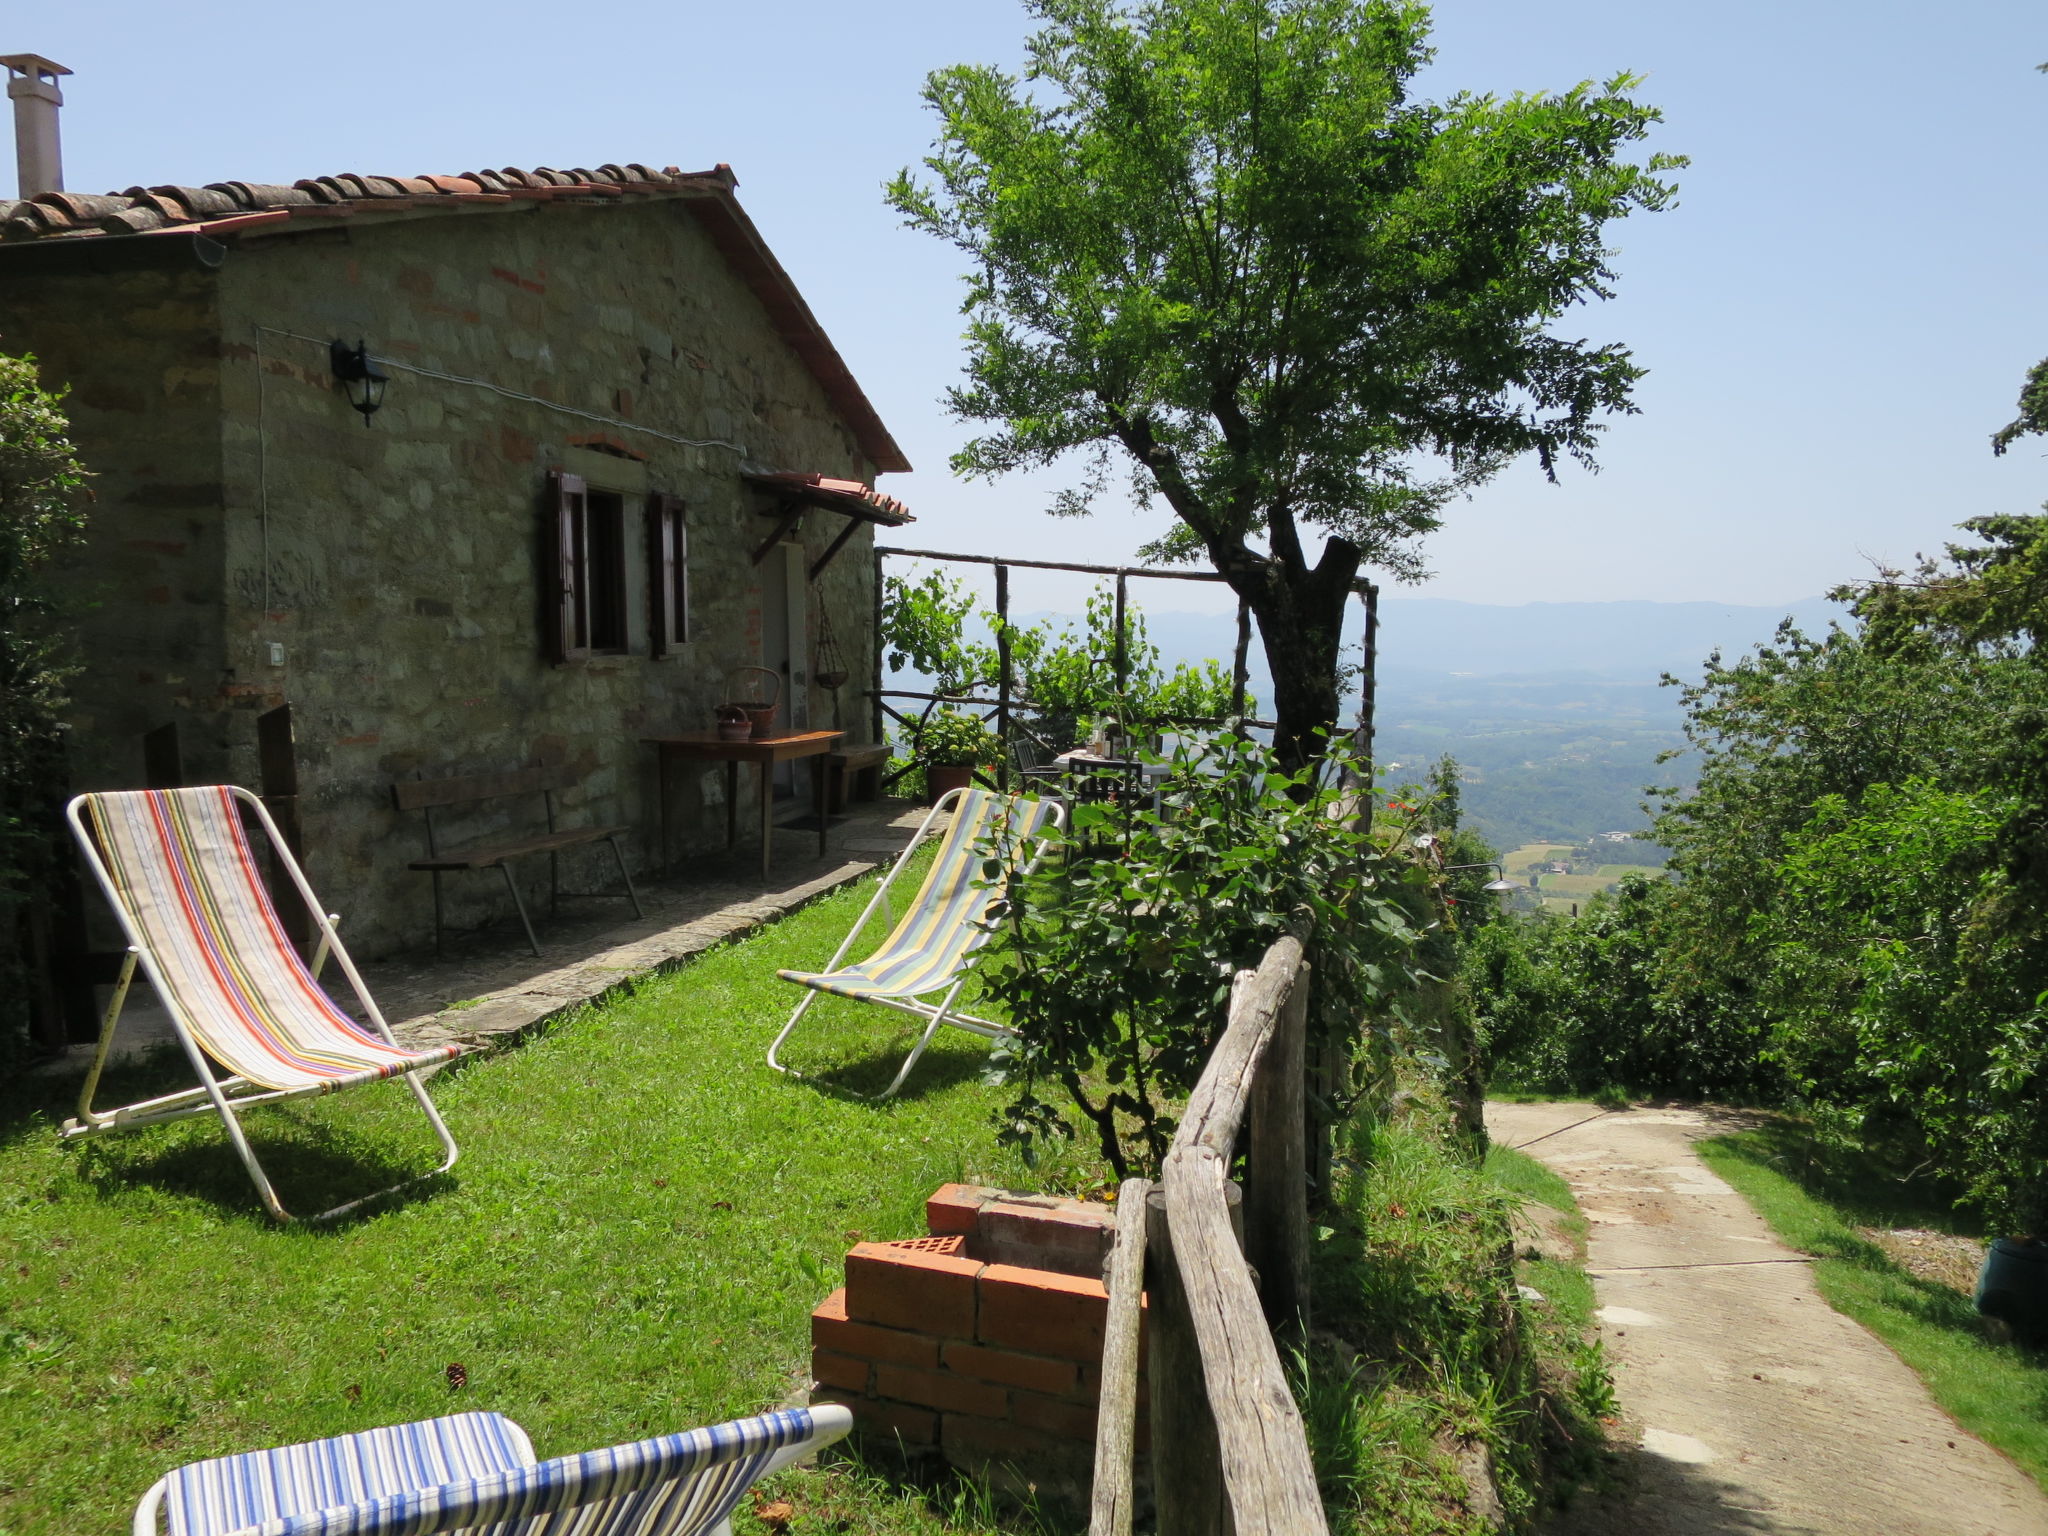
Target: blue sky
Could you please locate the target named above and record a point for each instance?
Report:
(1836, 316)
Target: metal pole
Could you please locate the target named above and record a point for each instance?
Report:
(1003, 680)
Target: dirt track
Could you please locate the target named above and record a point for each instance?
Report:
(1761, 1408)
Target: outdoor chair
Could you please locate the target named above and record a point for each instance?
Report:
(931, 949)
(475, 1472)
(182, 878)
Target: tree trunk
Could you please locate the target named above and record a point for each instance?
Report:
(1300, 613)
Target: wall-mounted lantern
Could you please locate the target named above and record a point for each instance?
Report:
(360, 376)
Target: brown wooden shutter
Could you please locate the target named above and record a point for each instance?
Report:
(565, 605)
(668, 574)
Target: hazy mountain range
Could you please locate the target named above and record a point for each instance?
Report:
(1554, 710)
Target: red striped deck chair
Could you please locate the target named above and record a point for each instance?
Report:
(179, 872)
(931, 949)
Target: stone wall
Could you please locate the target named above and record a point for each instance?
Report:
(136, 353)
(398, 566)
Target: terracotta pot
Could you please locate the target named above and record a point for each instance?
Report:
(939, 781)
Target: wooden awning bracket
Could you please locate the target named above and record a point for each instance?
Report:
(853, 526)
(792, 514)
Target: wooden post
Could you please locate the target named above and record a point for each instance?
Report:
(1269, 1478)
(1368, 696)
(1003, 679)
(1276, 1183)
(1187, 1463)
(1116, 1423)
(875, 639)
(1240, 670)
(1121, 653)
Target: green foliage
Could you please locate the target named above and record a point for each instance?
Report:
(1117, 957)
(41, 485)
(1572, 1005)
(952, 738)
(1064, 676)
(1222, 237)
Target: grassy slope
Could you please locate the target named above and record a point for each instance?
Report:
(642, 1219)
(1423, 1345)
(1994, 1390)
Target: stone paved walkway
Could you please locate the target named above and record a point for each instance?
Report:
(1761, 1408)
(490, 986)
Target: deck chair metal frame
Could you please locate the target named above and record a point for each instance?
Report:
(476, 1472)
(935, 1015)
(227, 1095)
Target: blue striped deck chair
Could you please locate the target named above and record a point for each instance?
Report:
(931, 949)
(475, 1472)
(178, 870)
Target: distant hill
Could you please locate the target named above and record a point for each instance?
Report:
(1553, 709)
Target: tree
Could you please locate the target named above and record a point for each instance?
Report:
(1218, 237)
(40, 480)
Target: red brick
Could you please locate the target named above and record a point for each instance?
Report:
(1068, 1236)
(832, 1329)
(1069, 1421)
(1032, 1372)
(954, 1208)
(974, 1440)
(830, 1369)
(902, 1288)
(1042, 1313)
(941, 1389)
(890, 1421)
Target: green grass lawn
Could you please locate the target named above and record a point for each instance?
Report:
(642, 1219)
(1995, 1390)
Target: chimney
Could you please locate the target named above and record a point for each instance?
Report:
(32, 86)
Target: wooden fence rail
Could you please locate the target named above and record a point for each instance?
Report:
(1229, 1453)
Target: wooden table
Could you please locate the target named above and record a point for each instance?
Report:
(765, 752)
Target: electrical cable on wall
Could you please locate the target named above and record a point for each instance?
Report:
(513, 394)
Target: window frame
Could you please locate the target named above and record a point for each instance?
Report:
(668, 574)
(571, 614)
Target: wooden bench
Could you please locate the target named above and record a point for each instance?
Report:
(429, 795)
(856, 774)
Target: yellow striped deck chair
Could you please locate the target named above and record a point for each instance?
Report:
(183, 880)
(932, 947)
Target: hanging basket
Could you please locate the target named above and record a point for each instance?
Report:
(756, 691)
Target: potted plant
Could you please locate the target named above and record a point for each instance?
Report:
(951, 744)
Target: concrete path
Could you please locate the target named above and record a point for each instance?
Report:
(1761, 1409)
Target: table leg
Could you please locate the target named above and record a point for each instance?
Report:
(820, 795)
(661, 800)
(732, 804)
(767, 817)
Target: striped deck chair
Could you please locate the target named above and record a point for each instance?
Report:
(932, 947)
(182, 878)
(475, 1472)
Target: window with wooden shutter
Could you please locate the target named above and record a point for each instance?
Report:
(668, 574)
(584, 606)
(566, 605)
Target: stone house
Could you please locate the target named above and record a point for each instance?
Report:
(616, 458)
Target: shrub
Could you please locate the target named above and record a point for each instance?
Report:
(1117, 958)
(40, 483)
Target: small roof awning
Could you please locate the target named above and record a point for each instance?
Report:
(795, 491)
